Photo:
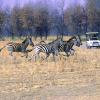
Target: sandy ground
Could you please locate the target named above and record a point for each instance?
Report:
(61, 86)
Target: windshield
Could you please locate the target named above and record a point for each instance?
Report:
(93, 38)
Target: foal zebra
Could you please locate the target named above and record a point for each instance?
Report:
(50, 48)
(19, 47)
(67, 46)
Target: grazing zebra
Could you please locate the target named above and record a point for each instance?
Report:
(19, 47)
(67, 46)
(50, 48)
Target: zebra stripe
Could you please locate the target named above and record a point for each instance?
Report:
(50, 48)
(19, 47)
(67, 46)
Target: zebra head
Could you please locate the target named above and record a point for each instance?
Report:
(28, 41)
(78, 41)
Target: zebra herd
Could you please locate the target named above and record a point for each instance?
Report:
(54, 47)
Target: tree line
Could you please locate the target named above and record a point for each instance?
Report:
(40, 20)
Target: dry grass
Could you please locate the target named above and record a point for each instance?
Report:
(18, 74)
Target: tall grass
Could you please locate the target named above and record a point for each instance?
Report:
(23, 75)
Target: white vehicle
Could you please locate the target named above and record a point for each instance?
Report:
(92, 39)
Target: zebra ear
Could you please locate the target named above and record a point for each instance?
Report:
(28, 36)
(79, 37)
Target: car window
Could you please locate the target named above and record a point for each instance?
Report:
(94, 38)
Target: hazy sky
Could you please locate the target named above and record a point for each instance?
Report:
(11, 3)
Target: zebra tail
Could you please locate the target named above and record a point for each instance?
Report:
(2, 48)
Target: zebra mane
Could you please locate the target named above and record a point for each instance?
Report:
(58, 39)
(71, 39)
(24, 40)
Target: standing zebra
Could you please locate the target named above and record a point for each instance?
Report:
(19, 47)
(67, 46)
(50, 48)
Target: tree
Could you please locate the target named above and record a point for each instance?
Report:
(93, 13)
(41, 16)
(1, 21)
(60, 6)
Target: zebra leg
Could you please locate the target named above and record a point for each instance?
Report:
(54, 57)
(47, 55)
(67, 53)
(54, 53)
(35, 56)
(72, 51)
(26, 54)
(10, 53)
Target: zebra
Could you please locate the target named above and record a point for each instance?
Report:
(48, 48)
(19, 47)
(67, 46)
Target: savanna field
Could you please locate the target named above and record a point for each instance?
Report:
(76, 77)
